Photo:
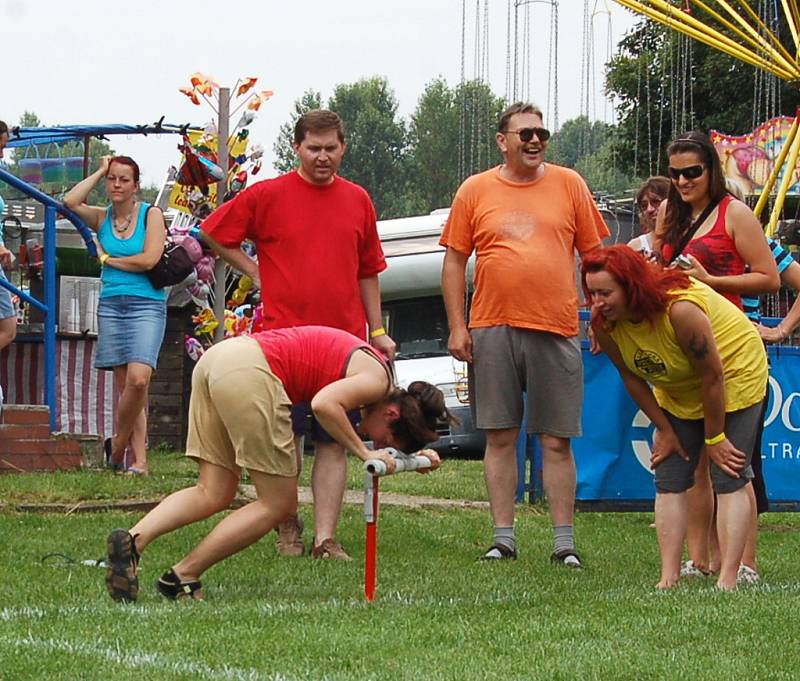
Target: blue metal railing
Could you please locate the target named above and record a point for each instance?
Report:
(48, 307)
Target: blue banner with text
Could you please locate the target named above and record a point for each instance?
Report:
(613, 456)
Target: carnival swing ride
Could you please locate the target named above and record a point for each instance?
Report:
(747, 31)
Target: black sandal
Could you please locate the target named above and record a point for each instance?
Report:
(170, 586)
(568, 558)
(123, 558)
(499, 552)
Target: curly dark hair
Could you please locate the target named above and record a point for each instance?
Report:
(422, 408)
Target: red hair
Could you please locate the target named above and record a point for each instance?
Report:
(646, 284)
(127, 161)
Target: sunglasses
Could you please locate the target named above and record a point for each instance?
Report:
(689, 172)
(526, 134)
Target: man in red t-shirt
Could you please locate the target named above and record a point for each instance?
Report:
(319, 256)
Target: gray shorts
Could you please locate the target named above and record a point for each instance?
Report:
(676, 475)
(507, 362)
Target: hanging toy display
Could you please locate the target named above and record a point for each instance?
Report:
(195, 188)
(241, 291)
(205, 323)
(194, 348)
(194, 192)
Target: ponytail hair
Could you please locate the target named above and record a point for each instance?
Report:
(421, 408)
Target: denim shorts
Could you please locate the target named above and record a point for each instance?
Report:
(6, 307)
(130, 329)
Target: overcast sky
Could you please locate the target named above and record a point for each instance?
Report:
(93, 61)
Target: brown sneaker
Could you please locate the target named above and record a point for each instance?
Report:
(330, 549)
(290, 541)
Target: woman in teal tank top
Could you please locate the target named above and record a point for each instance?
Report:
(131, 313)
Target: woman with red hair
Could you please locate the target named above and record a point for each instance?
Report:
(131, 313)
(707, 368)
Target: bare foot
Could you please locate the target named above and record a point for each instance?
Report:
(668, 582)
(726, 586)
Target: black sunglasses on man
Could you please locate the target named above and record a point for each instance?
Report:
(526, 134)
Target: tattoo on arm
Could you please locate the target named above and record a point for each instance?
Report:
(698, 344)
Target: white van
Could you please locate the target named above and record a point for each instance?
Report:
(415, 318)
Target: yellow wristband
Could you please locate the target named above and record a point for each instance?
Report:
(103, 258)
(380, 331)
(716, 439)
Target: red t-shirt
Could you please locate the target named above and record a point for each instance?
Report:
(307, 358)
(313, 243)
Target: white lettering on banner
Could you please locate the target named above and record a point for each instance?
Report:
(641, 448)
(781, 407)
(782, 450)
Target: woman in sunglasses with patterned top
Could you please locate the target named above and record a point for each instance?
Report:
(718, 240)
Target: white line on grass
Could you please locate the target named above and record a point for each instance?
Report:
(133, 659)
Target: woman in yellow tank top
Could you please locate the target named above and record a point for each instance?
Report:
(695, 365)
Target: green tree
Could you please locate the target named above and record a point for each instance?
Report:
(29, 120)
(659, 100)
(376, 155)
(285, 158)
(602, 172)
(451, 135)
(578, 137)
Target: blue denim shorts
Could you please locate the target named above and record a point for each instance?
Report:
(6, 307)
(129, 329)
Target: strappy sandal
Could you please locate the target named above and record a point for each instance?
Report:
(170, 586)
(107, 456)
(123, 558)
(499, 552)
(133, 470)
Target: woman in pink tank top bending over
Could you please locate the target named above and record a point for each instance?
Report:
(239, 417)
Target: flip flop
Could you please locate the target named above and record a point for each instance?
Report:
(133, 470)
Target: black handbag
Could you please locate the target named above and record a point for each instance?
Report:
(172, 267)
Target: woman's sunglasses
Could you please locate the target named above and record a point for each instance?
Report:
(689, 172)
(526, 134)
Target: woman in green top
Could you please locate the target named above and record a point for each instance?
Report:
(696, 367)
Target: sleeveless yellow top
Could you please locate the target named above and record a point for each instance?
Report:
(653, 354)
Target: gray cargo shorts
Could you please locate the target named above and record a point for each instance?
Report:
(509, 361)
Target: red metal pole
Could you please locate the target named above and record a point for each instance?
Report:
(371, 554)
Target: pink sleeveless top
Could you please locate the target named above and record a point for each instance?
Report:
(307, 358)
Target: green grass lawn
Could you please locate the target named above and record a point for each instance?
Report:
(438, 613)
(170, 471)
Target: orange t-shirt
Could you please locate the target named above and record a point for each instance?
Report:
(525, 236)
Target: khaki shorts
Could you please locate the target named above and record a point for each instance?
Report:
(510, 361)
(239, 412)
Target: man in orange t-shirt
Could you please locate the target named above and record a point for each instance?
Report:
(524, 220)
